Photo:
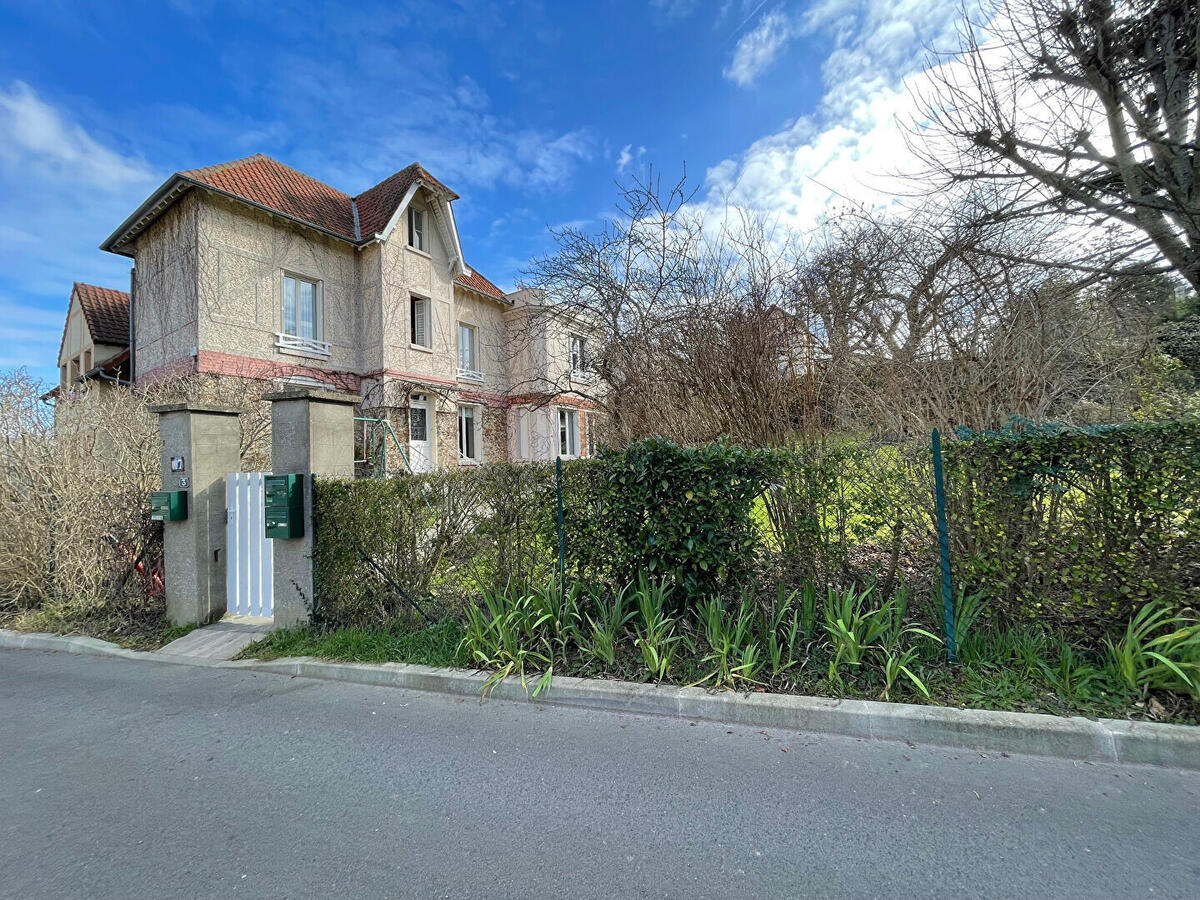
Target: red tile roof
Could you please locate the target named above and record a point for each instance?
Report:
(106, 311)
(268, 182)
(479, 283)
(376, 205)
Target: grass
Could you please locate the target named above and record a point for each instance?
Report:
(135, 627)
(993, 684)
(435, 645)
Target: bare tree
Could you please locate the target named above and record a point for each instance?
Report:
(1083, 107)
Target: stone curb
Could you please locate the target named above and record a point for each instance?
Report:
(1092, 740)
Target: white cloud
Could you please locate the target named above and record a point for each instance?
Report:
(38, 137)
(674, 9)
(757, 48)
(470, 94)
(852, 148)
(628, 155)
(62, 190)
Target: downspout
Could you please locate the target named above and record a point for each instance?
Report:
(132, 309)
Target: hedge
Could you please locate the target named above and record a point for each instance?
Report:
(1079, 526)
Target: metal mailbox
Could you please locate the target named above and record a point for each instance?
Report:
(168, 506)
(284, 506)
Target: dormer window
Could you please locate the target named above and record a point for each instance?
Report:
(416, 228)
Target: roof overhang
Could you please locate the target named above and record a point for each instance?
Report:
(504, 301)
(171, 190)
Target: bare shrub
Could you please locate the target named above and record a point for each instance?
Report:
(75, 479)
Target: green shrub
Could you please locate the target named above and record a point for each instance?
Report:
(1077, 527)
(383, 544)
(670, 512)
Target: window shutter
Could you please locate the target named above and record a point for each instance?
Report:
(420, 316)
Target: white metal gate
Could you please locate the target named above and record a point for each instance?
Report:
(249, 570)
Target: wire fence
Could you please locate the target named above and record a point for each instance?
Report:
(1074, 528)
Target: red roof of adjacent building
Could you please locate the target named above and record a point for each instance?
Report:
(481, 284)
(106, 312)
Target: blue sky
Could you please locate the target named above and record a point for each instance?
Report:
(530, 110)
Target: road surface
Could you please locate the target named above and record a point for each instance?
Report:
(129, 779)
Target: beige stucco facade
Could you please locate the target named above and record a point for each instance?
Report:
(80, 352)
(208, 298)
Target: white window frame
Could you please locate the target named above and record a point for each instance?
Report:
(474, 414)
(521, 422)
(578, 362)
(469, 370)
(416, 229)
(568, 432)
(590, 428)
(413, 300)
(287, 339)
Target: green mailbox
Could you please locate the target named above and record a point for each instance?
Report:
(168, 506)
(284, 502)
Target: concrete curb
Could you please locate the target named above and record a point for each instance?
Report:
(1092, 740)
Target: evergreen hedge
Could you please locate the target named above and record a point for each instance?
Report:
(1080, 526)
(1076, 527)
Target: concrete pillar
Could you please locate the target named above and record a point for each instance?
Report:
(200, 447)
(312, 433)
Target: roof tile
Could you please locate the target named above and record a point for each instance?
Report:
(106, 311)
(481, 284)
(268, 182)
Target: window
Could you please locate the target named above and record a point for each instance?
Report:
(468, 449)
(522, 423)
(418, 423)
(578, 354)
(591, 427)
(421, 331)
(416, 228)
(301, 308)
(568, 432)
(468, 353)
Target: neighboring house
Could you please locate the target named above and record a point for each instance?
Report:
(95, 341)
(251, 269)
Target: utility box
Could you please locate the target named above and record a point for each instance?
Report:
(168, 506)
(284, 506)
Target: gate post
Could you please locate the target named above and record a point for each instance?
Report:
(312, 433)
(200, 447)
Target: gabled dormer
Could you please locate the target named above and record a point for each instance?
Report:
(96, 335)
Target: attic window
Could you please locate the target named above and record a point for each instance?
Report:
(416, 228)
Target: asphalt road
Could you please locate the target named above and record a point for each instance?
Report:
(126, 779)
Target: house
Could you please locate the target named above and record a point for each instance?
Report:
(95, 341)
(251, 269)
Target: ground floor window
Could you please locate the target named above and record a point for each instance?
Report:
(568, 432)
(521, 419)
(468, 440)
(592, 431)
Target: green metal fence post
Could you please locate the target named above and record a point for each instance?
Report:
(562, 546)
(939, 484)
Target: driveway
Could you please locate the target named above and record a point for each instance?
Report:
(135, 779)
